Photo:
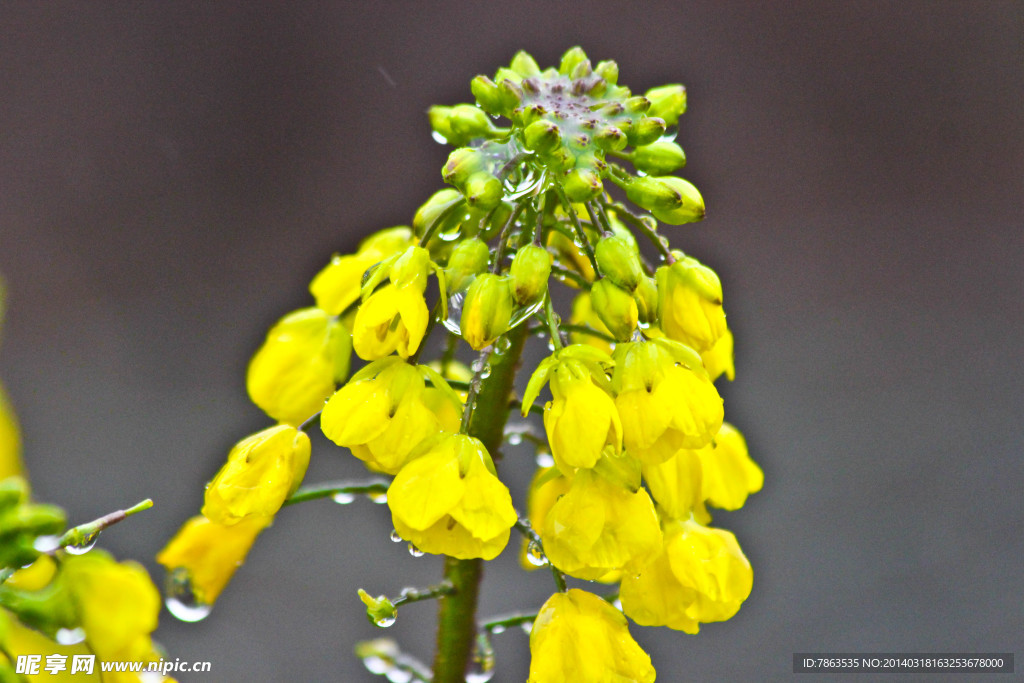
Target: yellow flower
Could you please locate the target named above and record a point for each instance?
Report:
(579, 638)
(598, 527)
(207, 554)
(117, 604)
(718, 360)
(665, 400)
(261, 472)
(690, 303)
(581, 421)
(583, 314)
(391, 319)
(729, 473)
(676, 484)
(449, 501)
(385, 412)
(702, 576)
(337, 286)
(10, 440)
(295, 370)
(546, 487)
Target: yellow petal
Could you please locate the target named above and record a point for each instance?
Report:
(356, 413)
(426, 489)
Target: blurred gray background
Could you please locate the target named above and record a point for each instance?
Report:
(173, 174)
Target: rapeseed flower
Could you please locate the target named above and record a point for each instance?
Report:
(337, 286)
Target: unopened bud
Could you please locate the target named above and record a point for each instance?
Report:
(570, 59)
(646, 130)
(460, 124)
(32, 519)
(431, 209)
(611, 138)
(619, 261)
(638, 104)
(528, 275)
(469, 258)
(487, 94)
(646, 297)
(615, 307)
(668, 102)
(379, 610)
(690, 303)
(659, 157)
(672, 200)
(13, 490)
(582, 184)
(486, 311)
(461, 164)
(482, 190)
(511, 94)
(542, 136)
(608, 70)
(524, 64)
(411, 269)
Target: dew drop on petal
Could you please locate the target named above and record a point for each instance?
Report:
(384, 622)
(414, 551)
(545, 460)
(527, 627)
(343, 498)
(534, 555)
(379, 498)
(70, 636)
(396, 537)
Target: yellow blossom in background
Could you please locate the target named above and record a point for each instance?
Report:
(676, 484)
(718, 360)
(583, 314)
(449, 501)
(260, 473)
(579, 638)
(117, 604)
(702, 576)
(546, 487)
(690, 303)
(295, 370)
(729, 473)
(208, 554)
(337, 286)
(10, 440)
(598, 527)
(582, 420)
(391, 320)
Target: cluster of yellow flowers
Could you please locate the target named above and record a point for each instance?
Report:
(635, 429)
(61, 603)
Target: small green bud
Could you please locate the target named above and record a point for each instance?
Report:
(611, 138)
(487, 94)
(13, 490)
(468, 259)
(542, 136)
(570, 59)
(482, 190)
(524, 64)
(638, 104)
(615, 307)
(528, 275)
(460, 124)
(461, 164)
(608, 70)
(646, 130)
(32, 519)
(646, 297)
(651, 193)
(688, 209)
(504, 73)
(432, 208)
(379, 610)
(411, 268)
(619, 261)
(668, 102)
(511, 95)
(581, 70)
(582, 184)
(486, 310)
(659, 158)
(525, 116)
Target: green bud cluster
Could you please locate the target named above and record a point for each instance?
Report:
(22, 522)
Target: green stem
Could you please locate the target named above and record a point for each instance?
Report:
(549, 313)
(580, 235)
(376, 487)
(456, 618)
(84, 534)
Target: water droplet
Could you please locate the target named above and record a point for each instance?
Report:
(440, 139)
(551, 346)
(502, 345)
(411, 593)
(379, 498)
(384, 622)
(617, 604)
(498, 629)
(87, 543)
(46, 544)
(414, 551)
(396, 537)
(396, 675)
(181, 599)
(544, 460)
(515, 438)
(534, 555)
(377, 665)
(70, 636)
(527, 627)
(476, 364)
(479, 676)
(453, 321)
(485, 371)
(343, 498)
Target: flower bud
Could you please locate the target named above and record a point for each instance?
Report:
(672, 200)
(659, 157)
(486, 311)
(469, 258)
(580, 72)
(379, 610)
(13, 490)
(690, 303)
(638, 104)
(411, 269)
(667, 102)
(646, 130)
(646, 297)
(615, 307)
(611, 138)
(461, 123)
(608, 70)
(542, 136)
(482, 190)
(511, 94)
(619, 261)
(524, 64)
(431, 209)
(528, 275)
(582, 184)
(461, 164)
(570, 59)
(487, 94)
